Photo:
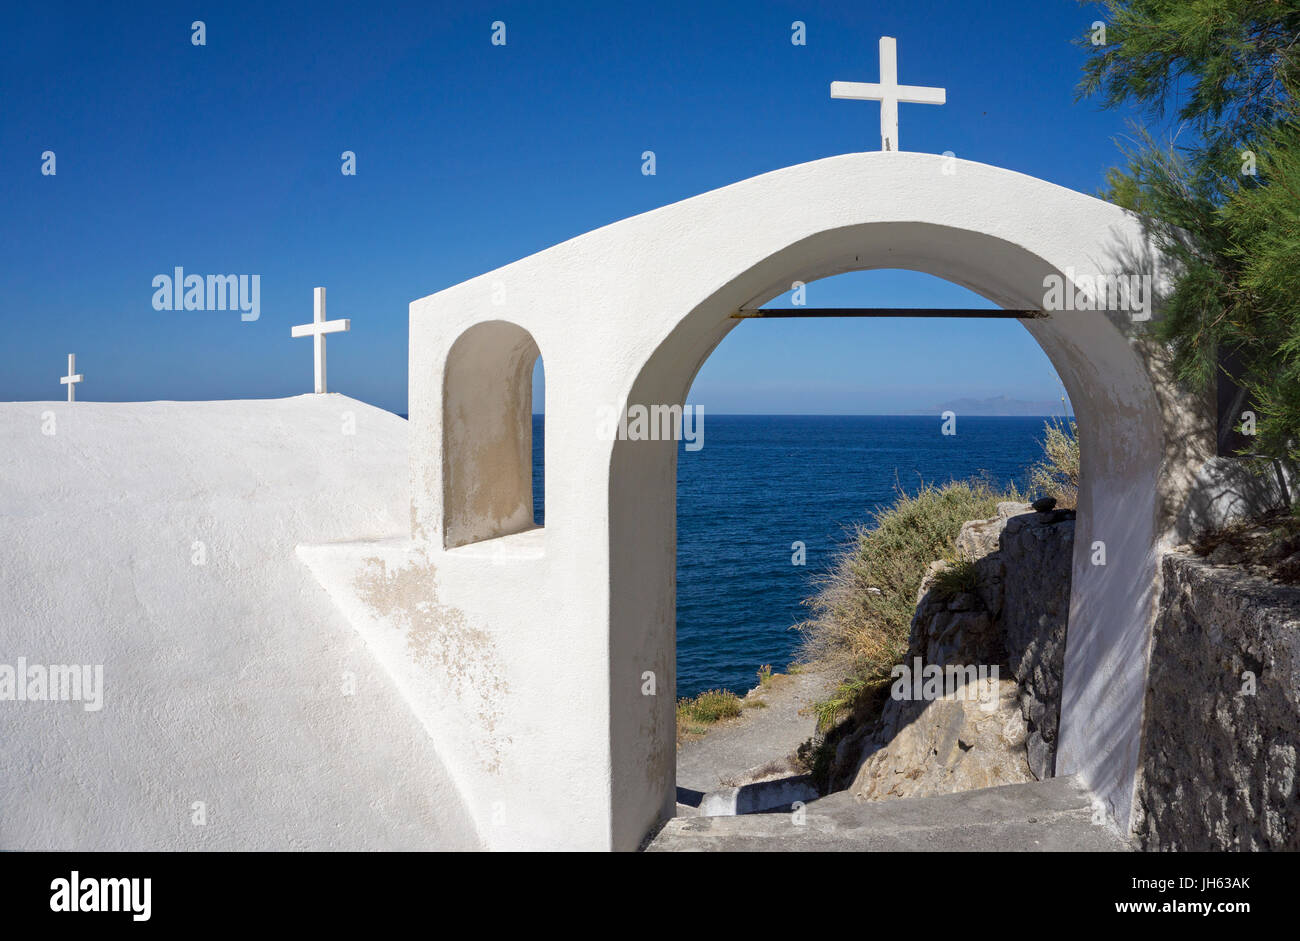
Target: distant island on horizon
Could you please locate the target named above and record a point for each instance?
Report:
(1000, 405)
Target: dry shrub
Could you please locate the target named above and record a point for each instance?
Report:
(1057, 475)
(863, 608)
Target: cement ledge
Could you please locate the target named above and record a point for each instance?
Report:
(1042, 816)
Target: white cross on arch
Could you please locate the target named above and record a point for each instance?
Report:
(71, 379)
(889, 93)
(317, 329)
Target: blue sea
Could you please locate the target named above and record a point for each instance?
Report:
(763, 482)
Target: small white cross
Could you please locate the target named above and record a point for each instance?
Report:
(71, 379)
(317, 330)
(889, 93)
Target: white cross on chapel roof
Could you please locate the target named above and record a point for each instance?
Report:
(889, 93)
(72, 378)
(317, 329)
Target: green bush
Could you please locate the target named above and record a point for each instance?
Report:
(863, 607)
(713, 705)
(956, 577)
(1220, 190)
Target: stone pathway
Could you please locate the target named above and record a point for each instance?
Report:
(757, 746)
(1050, 815)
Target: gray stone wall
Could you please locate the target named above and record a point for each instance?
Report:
(1218, 759)
(1024, 560)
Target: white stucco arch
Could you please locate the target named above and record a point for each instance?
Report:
(583, 756)
(1120, 423)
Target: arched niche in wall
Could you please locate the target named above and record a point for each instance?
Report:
(488, 434)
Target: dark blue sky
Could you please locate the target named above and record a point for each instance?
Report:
(226, 159)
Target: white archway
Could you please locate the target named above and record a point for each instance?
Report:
(576, 629)
(1120, 425)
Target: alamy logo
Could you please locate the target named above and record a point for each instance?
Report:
(76, 894)
(59, 682)
(1126, 292)
(969, 683)
(652, 423)
(181, 291)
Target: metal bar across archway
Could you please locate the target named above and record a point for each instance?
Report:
(995, 313)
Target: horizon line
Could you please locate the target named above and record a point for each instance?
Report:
(915, 414)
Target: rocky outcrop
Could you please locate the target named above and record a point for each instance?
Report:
(947, 745)
(1001, 629)
(1221, 728)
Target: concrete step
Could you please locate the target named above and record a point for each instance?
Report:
(1056, 814)
(774, 794)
